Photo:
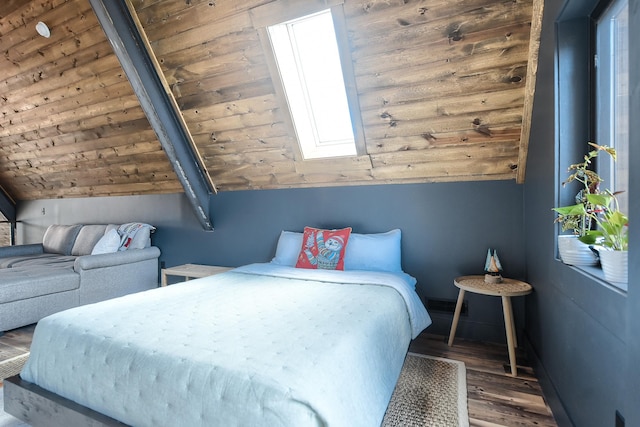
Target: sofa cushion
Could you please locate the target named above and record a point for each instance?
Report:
(59, 239)
(15, 261)
(22, 283)
(52, 260)
(87, 239)
(20, 250)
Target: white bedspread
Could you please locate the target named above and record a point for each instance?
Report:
(260, 345)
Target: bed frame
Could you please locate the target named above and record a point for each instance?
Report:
(39, 407)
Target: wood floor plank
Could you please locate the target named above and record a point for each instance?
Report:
(495, 399)
(9, 352)
(18, 338)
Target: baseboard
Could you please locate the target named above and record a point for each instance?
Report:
(467, 329)
(550, 394)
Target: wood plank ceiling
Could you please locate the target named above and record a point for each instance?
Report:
(71, 125)
(445, 89)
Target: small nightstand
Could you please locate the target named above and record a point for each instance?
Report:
(506, 289)
(191, 271)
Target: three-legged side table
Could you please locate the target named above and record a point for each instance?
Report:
(506, 289)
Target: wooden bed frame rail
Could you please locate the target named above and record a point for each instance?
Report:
(39, 407)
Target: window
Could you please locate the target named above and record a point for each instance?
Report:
(592, 99)
(612, 95)
(310, 66)
(5, 231)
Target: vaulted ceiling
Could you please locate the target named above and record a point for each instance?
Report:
(445, 88)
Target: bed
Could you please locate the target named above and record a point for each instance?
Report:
(264, 344)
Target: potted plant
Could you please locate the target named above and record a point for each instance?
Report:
(611, 235)
(577, 217)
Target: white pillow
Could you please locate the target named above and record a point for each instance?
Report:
(135, 235)
(142, 239)
(108, 243)
(289, 245)
(374, 252)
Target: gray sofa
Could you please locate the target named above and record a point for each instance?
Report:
(37, 280)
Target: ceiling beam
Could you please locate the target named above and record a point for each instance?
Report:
(7, 206)
(120, 24)
(530, 87)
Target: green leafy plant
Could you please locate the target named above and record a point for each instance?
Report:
(612, 231)
(579, 217)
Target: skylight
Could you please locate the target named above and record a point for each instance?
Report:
(308, 60)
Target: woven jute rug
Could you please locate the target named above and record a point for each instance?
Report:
(13, 366)
(431, 392)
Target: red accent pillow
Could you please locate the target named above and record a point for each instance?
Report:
(323, 249)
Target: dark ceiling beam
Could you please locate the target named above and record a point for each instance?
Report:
(7, 206)
(131, 47)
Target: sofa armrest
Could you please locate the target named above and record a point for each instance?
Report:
(19, 250)
(89, 262)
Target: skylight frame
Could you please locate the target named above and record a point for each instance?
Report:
(323, 124)
(282, 12)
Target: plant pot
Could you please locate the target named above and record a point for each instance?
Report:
(574, 252)
(615, 266)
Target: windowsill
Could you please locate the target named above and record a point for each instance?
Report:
(596, 274)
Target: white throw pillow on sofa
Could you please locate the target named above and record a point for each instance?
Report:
(108, 243)
(142, 239)
(135, 235)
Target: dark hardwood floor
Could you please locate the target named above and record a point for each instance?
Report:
(494, 398)
(16, 342)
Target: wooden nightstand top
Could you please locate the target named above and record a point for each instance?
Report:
(506, 288)
(192, 271)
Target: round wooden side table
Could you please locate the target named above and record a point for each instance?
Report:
(506, 289)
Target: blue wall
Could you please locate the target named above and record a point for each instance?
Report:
(447, 229)
(632, 379)
(576, 324)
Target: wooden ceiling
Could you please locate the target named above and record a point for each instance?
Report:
(445, 88)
